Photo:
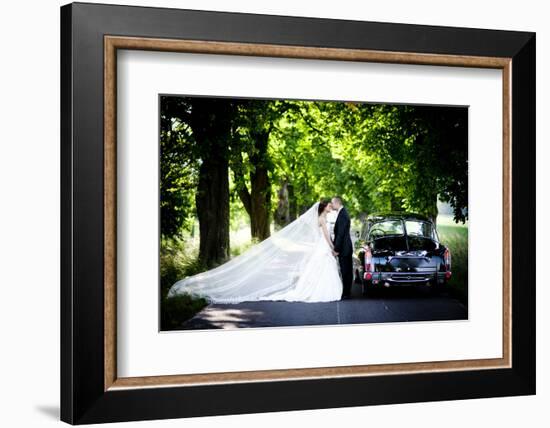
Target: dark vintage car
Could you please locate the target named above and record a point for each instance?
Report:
(401, 249)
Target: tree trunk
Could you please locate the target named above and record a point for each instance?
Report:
(292, 205)
(211, 125)
(257, 200)
(212, 200)
(260, 194)
(281, 216)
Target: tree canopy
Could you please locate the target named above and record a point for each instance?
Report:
(277, 157)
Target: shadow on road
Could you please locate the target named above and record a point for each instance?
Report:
(226, 316)
(389, 305)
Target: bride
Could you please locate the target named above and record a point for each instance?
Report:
(295, 264)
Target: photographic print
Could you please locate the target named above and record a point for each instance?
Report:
(280, 212)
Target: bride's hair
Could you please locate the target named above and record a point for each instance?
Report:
(322, 205)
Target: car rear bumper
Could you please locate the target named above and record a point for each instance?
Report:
(408, 278)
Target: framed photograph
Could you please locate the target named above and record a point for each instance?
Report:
(267, 213)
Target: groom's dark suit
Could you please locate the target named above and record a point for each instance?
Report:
(344, 248)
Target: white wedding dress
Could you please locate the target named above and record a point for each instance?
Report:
(295, 264)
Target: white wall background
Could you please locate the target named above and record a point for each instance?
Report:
(29, 214)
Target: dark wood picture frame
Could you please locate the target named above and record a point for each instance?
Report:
(90, 389)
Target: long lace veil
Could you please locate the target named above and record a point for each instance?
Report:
(265, 270)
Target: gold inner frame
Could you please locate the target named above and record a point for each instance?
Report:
(112, 43)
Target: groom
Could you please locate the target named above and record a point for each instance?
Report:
(342, 245)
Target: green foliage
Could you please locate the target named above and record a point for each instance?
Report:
(178, 167)
(377, 157)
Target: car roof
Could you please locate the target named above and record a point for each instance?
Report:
(402, 215)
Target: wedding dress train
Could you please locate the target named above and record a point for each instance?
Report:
(295, 264)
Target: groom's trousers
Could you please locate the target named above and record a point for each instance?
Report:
(346, 270)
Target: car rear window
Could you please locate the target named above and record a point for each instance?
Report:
(422, 229)
(386, 228)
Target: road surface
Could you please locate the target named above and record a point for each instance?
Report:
(393, 305)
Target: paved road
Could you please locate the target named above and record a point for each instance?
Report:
(398, 304)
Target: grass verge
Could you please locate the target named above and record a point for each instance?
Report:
(178, 259)
(455, 236)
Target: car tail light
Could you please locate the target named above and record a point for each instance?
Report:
(368, 265)
(368, 260)
(447, 259)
